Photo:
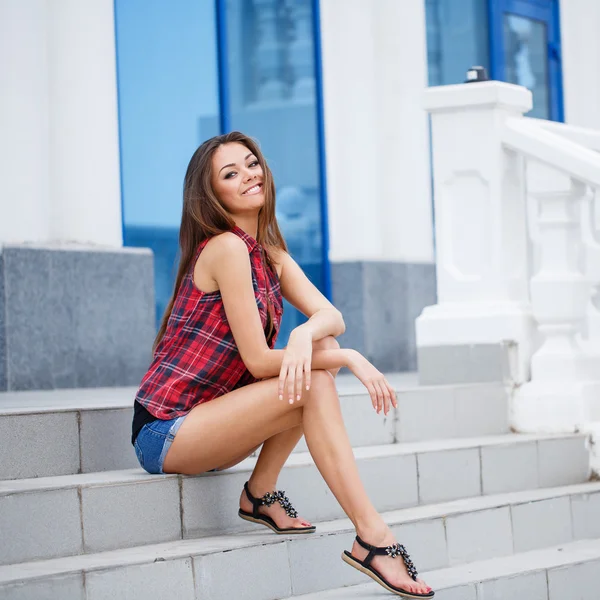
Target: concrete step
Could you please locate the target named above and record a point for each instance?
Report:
(93, 512)
(267, 566)
(62, 432)
(569, 572)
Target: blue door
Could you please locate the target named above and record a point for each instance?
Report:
(525, 49)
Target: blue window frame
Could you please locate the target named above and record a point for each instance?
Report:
(195, 68)
(525, 49)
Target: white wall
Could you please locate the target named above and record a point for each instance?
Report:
(580, 27)
(59, 146)
(374, 74)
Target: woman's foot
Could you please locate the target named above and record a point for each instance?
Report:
(392, 569)
(275, 511)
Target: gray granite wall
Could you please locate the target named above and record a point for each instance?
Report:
(380, 302)
(74, 317)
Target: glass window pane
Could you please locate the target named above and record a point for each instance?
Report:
(168, 105)
(272, 91)
(526, 59)
(457, 39)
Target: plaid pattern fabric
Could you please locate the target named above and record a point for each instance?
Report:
(197, 359)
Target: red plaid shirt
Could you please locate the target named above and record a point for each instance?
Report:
(197, 359)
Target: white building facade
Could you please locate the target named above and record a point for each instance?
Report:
(104, 102)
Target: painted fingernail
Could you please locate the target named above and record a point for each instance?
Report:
(280, 397)
(298, 397)
(291, 401)
(307, 388)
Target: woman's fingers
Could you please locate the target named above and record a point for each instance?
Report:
(307, 372)
(380, 401)
(282, 378)
(372, 392)
(291, 380)
(299, 373)
(387, 398)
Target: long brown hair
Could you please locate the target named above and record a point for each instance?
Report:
(203, 216)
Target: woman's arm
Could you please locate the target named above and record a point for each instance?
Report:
(226, 257)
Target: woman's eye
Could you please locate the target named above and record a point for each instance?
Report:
(230, 175)
(254, 163)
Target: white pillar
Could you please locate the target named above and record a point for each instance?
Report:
(377, 142)
(482, 270)
(23, 121)
(84, 139)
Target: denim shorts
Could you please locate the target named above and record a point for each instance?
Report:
(153, 443)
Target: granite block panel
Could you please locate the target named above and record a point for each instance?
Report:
(106, 440)
(3, 374)
(39, 525)
(39, 445)
(421, 292)
(479, 535)
(474, 363)
(449, 475)
(386, 318)
(112, 517)
(364, 426)
(210, 504)
(347, 288)
(575, 582)
(66, 587)
(509, 468)
(316, 565)
(77, 318)
(563, 461)
(586, 516)
(380, 302)
(426, 542)
(426, 414)
(461, 592)
(532, 586)
(481, 410)
(162, 579)
(541, 524)
(257, 573)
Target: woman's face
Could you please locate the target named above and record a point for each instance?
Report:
(237, 178)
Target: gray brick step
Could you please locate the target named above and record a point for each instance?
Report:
(63, 432)
(266, 567)
(101, 511)
(569, 572)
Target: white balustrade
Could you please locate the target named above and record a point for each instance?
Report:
(480, 222)
(492, 167)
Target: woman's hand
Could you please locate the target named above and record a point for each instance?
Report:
(381, 392)
(296, 364)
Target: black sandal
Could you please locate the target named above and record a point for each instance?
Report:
(394, 551)
(267, 500)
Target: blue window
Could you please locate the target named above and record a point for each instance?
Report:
(192, 69)
(525, 42)
(457, 38)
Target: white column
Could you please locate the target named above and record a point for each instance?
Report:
(480, 216)
(84, 141)
(580, 46)
(23, 121)
(377, 144)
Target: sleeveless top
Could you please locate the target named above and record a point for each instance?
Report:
(197, 359)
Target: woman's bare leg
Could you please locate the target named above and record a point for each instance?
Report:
(218, 431)
(272, 458)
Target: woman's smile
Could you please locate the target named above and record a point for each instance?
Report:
(255, 189)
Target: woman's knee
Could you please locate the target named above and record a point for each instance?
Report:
(322, 382)
(326, 343)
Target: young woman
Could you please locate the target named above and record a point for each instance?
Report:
(216, 389)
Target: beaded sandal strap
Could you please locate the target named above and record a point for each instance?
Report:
(268, 500)
(392, 551)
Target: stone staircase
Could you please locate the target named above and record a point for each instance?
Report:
(486, 514)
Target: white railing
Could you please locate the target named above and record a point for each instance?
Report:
(518, 255)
